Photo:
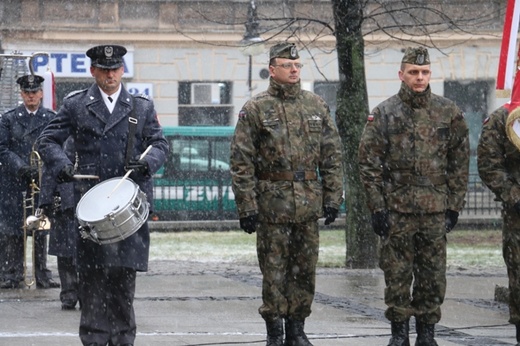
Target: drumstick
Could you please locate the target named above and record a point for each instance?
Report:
(85, 176)
(129, 171)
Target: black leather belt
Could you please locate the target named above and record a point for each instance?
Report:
(288, 176)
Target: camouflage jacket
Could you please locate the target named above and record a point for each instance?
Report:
(498, 159)
(414, 154)
(286, 129)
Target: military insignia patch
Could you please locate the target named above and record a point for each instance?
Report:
(242, 114)
(294, 52)
(370, 117)
(486, 120)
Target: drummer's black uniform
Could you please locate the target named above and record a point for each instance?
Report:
(107, 272)
(18, 132)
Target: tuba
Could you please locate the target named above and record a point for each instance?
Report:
(33, 218)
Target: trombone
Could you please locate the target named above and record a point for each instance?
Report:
(33, 218)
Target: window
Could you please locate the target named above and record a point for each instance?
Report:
(328, 91)
(64, 88)
(205, 103)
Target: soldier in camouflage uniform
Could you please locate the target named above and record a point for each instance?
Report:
(498, 166)
(287, 172)
(413, 158)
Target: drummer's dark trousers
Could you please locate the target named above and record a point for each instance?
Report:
(107, 313)
(15, 257)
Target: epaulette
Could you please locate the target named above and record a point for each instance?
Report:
(75, 92)
(9, 111)
(52, 111)
(143, 96)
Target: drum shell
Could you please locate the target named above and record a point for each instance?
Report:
(114, 225)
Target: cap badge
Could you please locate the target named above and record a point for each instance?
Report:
(420, 59)
(293, 51)
(30, 79)
(109, 51)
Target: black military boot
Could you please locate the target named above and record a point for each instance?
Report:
(274, 332)
(425, 334)
(517, 334)
(294, 334)
(400, 331)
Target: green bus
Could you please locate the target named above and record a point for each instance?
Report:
(195, 182)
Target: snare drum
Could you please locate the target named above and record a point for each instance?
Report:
(107, 217)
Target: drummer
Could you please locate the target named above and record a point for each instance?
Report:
(99, 119)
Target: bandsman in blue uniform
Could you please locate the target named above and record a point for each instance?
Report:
(99, 120)
(19, 129)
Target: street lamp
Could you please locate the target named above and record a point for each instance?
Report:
(252, 44)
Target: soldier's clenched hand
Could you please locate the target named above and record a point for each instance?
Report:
(517, 207)
(451, 219)
(248, 223)
(380, 223)
(330, 214)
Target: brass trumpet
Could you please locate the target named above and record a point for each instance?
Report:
(33, 218)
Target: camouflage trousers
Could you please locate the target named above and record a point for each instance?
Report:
(287, 255)
(413, 258)
(511, 253)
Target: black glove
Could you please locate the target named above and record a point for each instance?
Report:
(380, 223)
(140, 168)
(28, 174)
(517, 207)
(47, 210)
(66, 174)
(330, 214)
(451, 219)
(248, 223)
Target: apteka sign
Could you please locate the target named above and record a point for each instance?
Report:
(73, 64)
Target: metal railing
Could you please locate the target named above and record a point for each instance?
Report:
(480, 201)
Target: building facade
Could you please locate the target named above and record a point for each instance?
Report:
(187, 56)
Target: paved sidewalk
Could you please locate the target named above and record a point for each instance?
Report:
(185, 303)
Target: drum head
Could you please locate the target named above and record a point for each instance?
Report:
(99, 201)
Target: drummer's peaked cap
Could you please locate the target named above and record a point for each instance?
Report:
(30, 82)
(107, 56)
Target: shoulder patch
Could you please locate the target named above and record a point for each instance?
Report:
(75, 92)
(242, 115)
(371, 117)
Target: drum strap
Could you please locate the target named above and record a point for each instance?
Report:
(132, 126)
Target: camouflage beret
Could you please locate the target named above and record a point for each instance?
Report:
(416, 56)
(284, 50)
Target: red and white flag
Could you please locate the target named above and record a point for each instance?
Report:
(506, 66)
(49, 90)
